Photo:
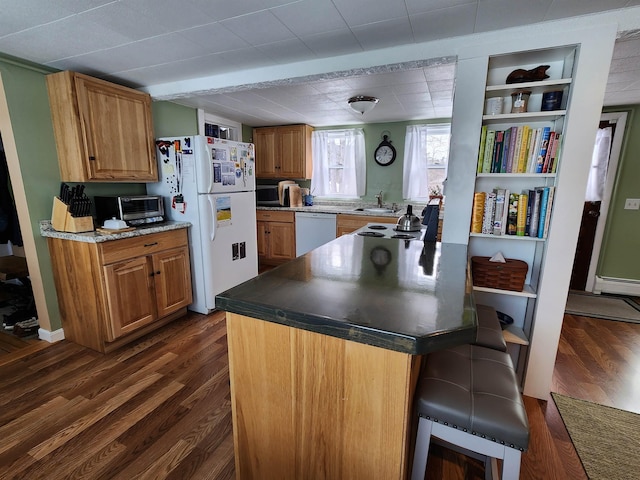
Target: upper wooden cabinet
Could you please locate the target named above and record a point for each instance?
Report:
(103, 131)
(283, 152)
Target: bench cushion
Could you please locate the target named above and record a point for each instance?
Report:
(489, 332)
(475, 389)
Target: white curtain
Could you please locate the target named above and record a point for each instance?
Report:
(354, 163)
(415, 174)
(320, 175)
(599, 165)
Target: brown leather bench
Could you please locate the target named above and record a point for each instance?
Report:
(468, 396)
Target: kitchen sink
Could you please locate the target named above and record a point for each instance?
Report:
(375, 210)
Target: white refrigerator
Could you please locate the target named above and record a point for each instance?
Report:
(211, 183)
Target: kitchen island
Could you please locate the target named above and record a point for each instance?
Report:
(325, 352)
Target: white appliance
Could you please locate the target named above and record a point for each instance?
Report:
(313, 230)
(388, 230)
(211, 183)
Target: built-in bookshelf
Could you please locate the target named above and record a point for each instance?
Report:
(518, 164)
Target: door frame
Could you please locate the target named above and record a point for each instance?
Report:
(620, 119)
(24, 218)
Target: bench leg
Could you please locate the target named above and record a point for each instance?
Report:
(423, 439)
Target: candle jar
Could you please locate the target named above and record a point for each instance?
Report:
(519, 101)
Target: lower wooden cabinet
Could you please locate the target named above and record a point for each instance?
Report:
(113, 292)
(276, 236)
(347, 223)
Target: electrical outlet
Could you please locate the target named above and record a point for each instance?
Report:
(632, 204)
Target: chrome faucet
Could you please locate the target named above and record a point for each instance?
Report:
(379, 197)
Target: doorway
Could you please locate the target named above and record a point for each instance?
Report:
(604, 166)
(17, 305)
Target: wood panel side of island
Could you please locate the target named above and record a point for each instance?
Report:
(312, 406)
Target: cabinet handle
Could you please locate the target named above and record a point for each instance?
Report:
(150, 244)
(92, 157)
(154, 273)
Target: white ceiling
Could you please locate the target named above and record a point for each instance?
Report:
(144, 43)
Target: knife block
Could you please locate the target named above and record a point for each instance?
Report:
(62, 221)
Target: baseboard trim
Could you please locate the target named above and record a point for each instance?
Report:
(51, 337)
(619, 286)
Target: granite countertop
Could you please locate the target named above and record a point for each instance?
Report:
(350, 209)
(46, 230)
(406, 296)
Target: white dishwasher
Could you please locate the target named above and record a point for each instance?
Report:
(313, 230)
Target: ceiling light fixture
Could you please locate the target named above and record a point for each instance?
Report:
(362, 103)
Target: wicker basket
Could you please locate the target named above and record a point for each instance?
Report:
(503, 276)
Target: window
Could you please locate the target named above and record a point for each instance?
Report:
(426, 156)
(339, 169)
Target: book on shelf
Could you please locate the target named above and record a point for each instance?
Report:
(534, 201)
(477, 214)
(547, 217)
(496, 159)
(512, 147)
(483, 139)
(500, 209)
(516, 149)
(506, 147)
(544, 210)
(535, 149)
(542, 151)
(555, 154)
(524, 149)
(488, 151)
(522, 214)
(512, 214)
(489, 212)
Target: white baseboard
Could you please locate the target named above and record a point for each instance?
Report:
(51, 337)
(619, 286)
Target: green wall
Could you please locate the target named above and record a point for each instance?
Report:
(173, 120)
(619, 255)
(28, 104)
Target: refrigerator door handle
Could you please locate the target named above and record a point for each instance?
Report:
(210, 162)
(212, 216)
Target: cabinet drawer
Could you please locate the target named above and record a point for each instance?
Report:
(274, 216)
(118, 250)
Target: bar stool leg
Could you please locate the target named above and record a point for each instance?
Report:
(511, 464)
(423, 439)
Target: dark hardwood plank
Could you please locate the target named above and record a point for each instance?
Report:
(160, 407)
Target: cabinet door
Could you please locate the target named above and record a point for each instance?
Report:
(118, 132)
(292, 152)
(282, 241)
(172, 278)
(263, 239)
(130, 296)
(266, 154)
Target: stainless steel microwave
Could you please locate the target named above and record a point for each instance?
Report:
(135, 210)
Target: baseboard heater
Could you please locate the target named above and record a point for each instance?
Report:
(620, 286)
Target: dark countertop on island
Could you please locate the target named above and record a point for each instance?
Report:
(406, 296)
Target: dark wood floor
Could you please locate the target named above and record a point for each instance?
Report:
(160, 408)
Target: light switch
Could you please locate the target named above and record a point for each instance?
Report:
(632, 204)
